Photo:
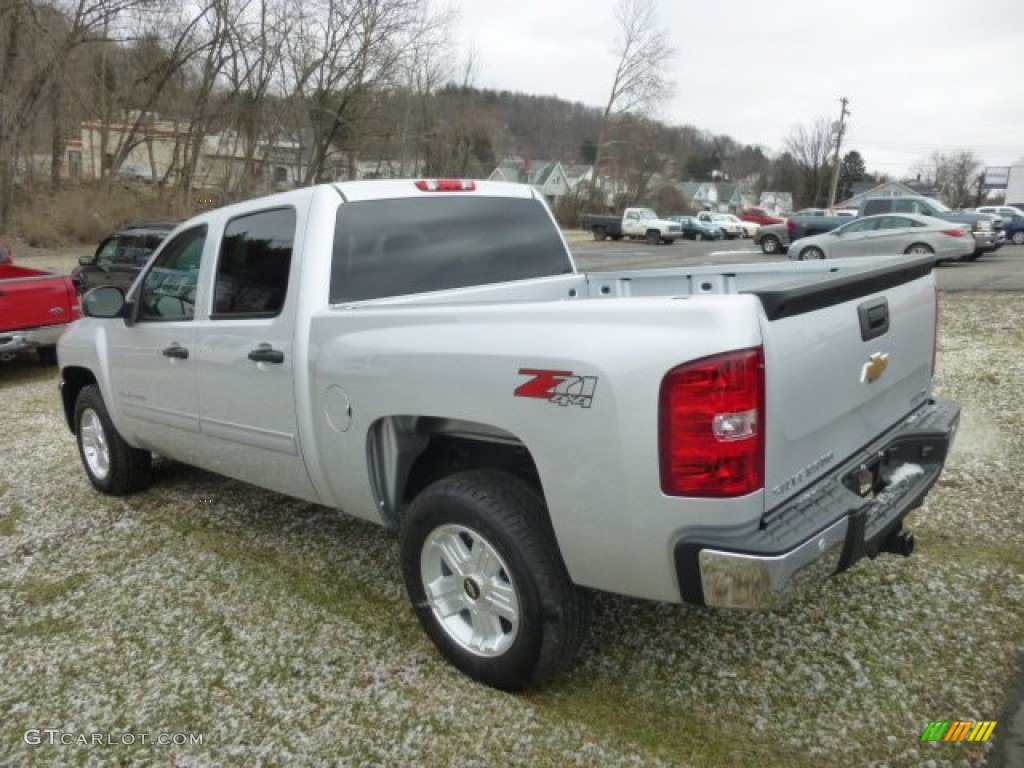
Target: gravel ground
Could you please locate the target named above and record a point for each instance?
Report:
(277, 632)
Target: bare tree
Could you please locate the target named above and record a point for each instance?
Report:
(956, 175)
(163, 49)
(255, 43)
(427, 65)
(643, 51)
(809, 146)
(339, 57)
(639, 160)
(35, 42)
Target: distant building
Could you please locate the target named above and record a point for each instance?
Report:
(1015, 183)
(157, 150)
(887, 189)
(721, 196)
(547, 177)
(776, 202)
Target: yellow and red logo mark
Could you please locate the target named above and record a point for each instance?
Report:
(958, 730)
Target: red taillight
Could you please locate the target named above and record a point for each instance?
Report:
(446, 185)
(790, 228)
(954, 232)
(711, 426)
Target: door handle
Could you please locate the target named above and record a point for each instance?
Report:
(175, 350)
(264, 353)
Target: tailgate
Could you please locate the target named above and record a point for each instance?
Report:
(32, 299)
(846, 358)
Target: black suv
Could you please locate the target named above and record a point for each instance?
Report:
(120, 257)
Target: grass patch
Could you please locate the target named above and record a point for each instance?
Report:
(37, 594)
(1000, 554)
(44, 629)
(9, 522)
(330, 589)
(691, 738)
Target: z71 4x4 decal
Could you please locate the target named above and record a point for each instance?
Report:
(558, 387)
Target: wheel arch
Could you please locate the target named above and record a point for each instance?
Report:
(73, 380)
(407, 453)
(919, 244)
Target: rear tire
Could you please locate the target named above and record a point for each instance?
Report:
(113, 466)
(1018, 237)
(770, 244)
(699, 236)
(811, 253)
(920, 249)
(486, 580)
(600, 234)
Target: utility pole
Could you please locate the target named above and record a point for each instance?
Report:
(843, 114)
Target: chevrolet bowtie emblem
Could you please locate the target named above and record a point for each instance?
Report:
(874, 368)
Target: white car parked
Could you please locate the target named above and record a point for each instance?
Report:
(749, 227)
(1006, 211)
(726, 222)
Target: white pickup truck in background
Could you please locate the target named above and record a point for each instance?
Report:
(635, 223)
(424, 355)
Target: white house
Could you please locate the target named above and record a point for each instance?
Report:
(547, 177)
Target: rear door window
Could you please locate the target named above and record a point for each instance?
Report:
(414, 245)
(253, 265)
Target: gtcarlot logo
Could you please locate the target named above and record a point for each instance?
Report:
(55, 737)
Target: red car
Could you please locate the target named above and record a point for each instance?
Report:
(35, 307)
(760, 216)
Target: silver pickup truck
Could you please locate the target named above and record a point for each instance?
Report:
(425, 355)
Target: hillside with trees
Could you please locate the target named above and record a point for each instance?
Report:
(328, 87)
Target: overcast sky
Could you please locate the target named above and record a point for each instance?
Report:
(921, 75)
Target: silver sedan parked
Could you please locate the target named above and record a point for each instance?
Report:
(887, 234)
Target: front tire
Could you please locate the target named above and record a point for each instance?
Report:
(811, 253)
(113, 466)
(699, 236)
(653, 237)
(1018, 237)
(487, 582)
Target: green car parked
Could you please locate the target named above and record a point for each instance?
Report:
(696, 230)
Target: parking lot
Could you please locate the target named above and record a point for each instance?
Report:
(999, 271)
(279, 631)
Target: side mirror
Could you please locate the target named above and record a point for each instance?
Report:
(107, 301)
(87, 260)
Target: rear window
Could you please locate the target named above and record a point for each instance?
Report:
(413, 245)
